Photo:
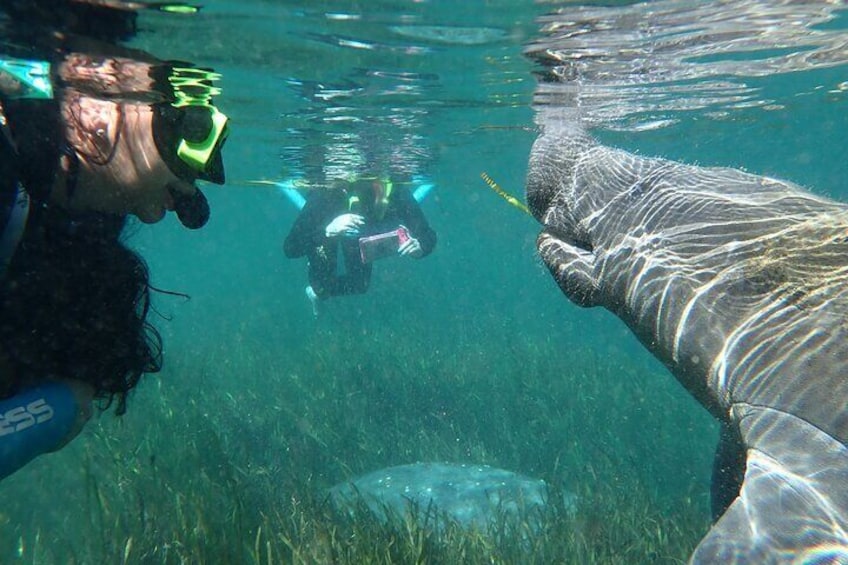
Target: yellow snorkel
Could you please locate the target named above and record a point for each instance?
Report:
(504, 194)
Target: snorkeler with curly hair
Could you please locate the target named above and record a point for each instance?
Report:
(90, 134)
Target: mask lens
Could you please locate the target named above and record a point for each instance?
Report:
(189, 139)
(196, 124)
(204, 130)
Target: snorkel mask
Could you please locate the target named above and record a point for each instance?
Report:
(189, 134)
(371, 192)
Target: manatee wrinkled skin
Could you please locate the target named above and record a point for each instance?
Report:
(737, 283)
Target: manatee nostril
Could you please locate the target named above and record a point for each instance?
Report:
(584, 245)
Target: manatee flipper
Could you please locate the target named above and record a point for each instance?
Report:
(790, 506)
(728, 470)
(572, 267)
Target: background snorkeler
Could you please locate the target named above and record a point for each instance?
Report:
(91, 133)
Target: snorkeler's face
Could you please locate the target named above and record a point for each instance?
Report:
(120, 170)
(370, 191)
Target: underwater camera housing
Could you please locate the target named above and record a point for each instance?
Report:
(382, 245)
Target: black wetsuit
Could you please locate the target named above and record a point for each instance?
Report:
(307, 238)
(8, 194)
(14, 200)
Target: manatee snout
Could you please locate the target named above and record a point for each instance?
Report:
(565, 249)
(550, 172)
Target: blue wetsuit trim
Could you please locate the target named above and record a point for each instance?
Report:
(422, 189)
(33, 422)
(287, 187)
(294, 196)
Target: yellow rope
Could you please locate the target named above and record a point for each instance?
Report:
(504, 194)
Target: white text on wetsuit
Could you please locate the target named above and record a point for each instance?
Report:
(23, 417)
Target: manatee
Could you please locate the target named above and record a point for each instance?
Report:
(473, 496)
(737, 283)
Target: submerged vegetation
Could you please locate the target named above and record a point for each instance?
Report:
(227, 458)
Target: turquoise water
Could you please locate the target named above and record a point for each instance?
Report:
(470, 355)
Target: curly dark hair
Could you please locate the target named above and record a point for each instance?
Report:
(74, 305)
